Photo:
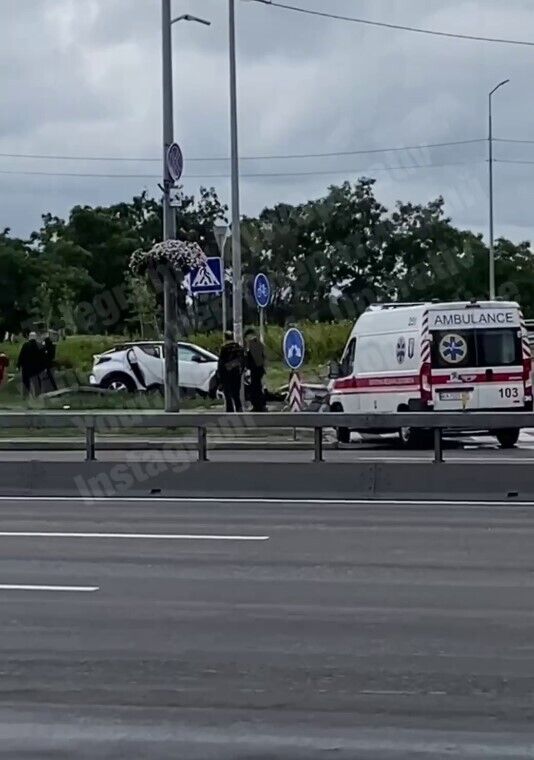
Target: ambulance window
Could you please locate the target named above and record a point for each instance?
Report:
(347, 363)
(498, 347)
(476, 348)
(453, 349)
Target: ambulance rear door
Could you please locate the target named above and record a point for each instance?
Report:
(477, 369)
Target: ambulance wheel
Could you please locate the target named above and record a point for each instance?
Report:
(415, 439)
(342, 433)
(408, 438)
(508, 438)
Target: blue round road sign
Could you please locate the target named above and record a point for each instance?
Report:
(175, 161)
(262, 290)
(294, 348)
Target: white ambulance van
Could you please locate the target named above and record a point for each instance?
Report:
(466, 356)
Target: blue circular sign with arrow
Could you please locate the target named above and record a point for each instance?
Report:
(294, 348)
(262, 291)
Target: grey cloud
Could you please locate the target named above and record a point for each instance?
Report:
(83, 76)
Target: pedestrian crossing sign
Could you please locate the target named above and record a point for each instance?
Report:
(207, 278)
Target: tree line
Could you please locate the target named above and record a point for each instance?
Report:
(327, 259)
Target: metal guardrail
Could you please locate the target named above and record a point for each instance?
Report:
(92, 423)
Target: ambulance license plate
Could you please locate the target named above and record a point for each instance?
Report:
(453, 395)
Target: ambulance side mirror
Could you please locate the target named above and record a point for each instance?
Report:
(334, 370)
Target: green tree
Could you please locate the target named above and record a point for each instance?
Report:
(19, 275)
(327, 259)
(43, 306)
(144, 306)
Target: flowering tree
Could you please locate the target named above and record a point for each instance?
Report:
(178, 255)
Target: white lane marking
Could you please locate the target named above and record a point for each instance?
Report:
(26, 587)
(512, 502)
(129, 536)
(388, 693)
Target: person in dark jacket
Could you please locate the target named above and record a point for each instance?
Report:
(230, 371)
(31, 363)
(49, 355)
(255, 362)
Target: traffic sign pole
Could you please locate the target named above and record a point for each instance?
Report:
(262, 325)
(172, 395)
(237, 282)
(295, 397)
(224, 315)
(221, 236)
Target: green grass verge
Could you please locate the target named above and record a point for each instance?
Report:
(323, 342)
(75, 354)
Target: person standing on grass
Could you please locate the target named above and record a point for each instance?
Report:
(230, 371)
(255, 362)
(49, 355)
(4, 364)
(31, 363)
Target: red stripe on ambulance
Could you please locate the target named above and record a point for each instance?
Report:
(478, 378)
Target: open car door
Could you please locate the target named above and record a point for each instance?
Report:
(146, 365)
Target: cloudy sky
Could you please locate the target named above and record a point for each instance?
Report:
(83, 78)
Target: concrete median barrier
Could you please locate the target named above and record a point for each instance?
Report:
(362, 480)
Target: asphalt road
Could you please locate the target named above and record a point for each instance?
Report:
(302, 631)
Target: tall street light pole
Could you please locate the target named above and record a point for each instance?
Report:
(237, 284)
(172, 394)
(170, 335)
(491, 216)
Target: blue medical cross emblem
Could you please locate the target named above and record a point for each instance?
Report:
(453, 348)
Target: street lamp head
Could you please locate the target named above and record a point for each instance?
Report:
(501, 84)
(189, 17)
